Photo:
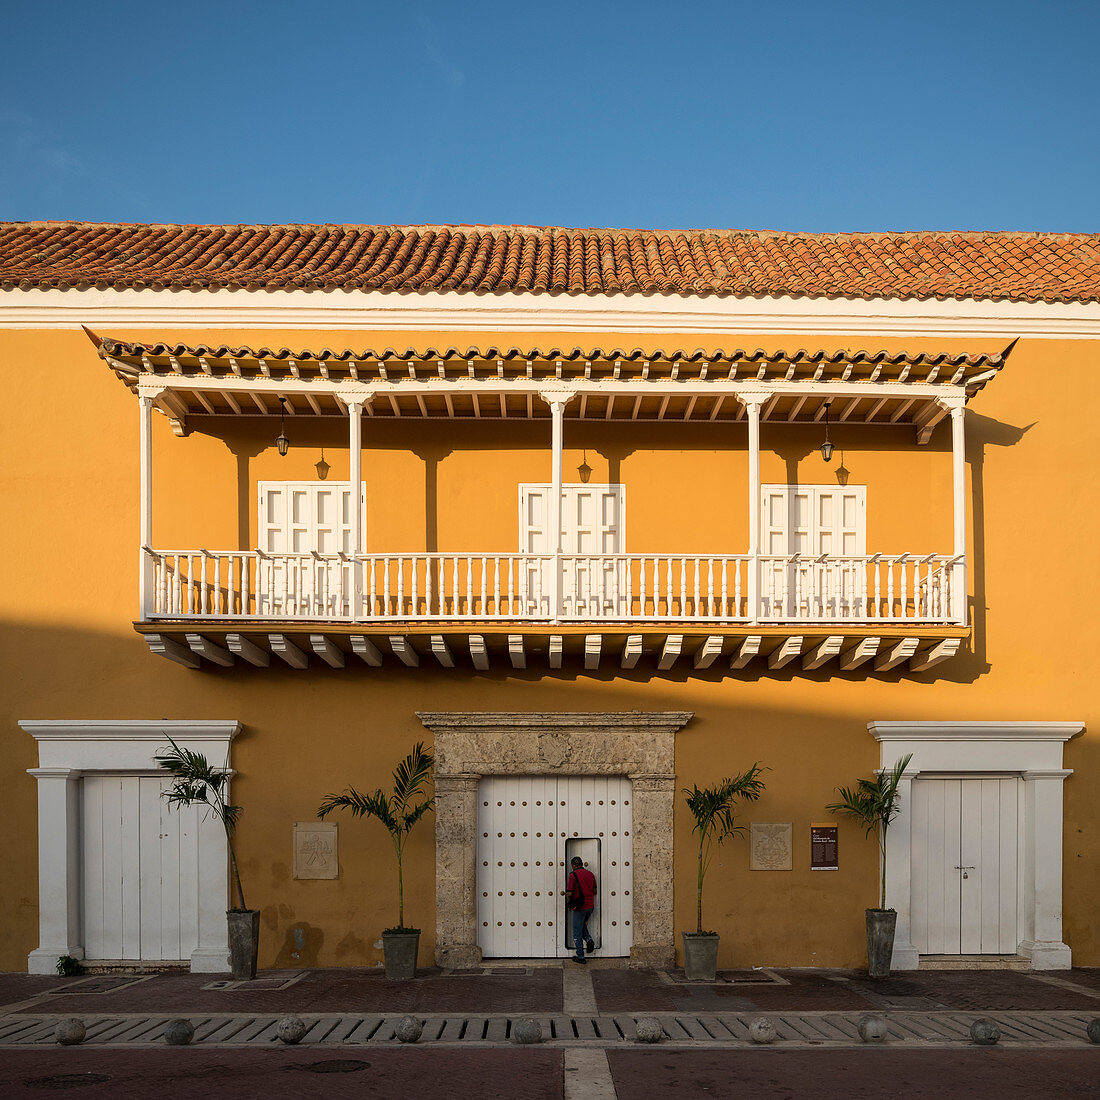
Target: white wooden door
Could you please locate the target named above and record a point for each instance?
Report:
(525, 827)
(814, 522)
(296, 519)
(592, 527)
(140, 871)
(964, 866)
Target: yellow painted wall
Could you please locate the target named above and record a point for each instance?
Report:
(68, 595)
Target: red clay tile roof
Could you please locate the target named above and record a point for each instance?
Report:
(1050, 267)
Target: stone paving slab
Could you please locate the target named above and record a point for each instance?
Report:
(812, 1029)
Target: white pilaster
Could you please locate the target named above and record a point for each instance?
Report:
(1043, 870)
(958, 495)
(557, 400)
(355, 505)
(898, 873)
(753, 403)
(145, 559)
(58, 869)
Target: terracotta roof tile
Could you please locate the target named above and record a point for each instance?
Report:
(1051, 267)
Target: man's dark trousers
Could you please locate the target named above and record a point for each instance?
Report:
(580, 930)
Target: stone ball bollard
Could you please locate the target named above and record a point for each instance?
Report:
(984, 1032)
(648, 1030)
(526, 1032)
(292, 1029)
(872, 1029)
(178, 1033)
(408, 1029)
(70, 1032)
(1092, 1030)
(762, 1030)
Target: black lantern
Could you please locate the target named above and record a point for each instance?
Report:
(827, 447)
(281, 440)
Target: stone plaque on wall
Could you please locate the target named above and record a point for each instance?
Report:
(771, 846)
(315, 850)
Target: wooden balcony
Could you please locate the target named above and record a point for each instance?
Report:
(220, 605)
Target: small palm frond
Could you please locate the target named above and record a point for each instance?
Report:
(414, 815)
(230, 816)
(874, 803)
(190, 766)
(410, 774)
(713, 808)
(360, 805)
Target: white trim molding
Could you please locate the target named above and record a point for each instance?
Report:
(353, 310)
(1030, 750)
(69, 750)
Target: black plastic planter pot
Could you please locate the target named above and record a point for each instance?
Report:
(700, 956)
(400, 950)
(244, 942)
(880, 941)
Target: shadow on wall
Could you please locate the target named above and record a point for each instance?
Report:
(810, 747)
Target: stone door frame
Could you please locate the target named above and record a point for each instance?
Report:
(472, 744)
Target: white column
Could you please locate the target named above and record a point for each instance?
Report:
(145, 559)
(958, 489)
(898, 876)
(59, 931)
(1043, 871)
(355, 477)
(752, 403)
(557, 402)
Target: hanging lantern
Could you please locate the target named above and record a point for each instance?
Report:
(584, 471)
(322, 467)
(827, 447)
(281, 440)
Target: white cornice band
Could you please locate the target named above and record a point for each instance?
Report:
(376, 311)
(975, 731)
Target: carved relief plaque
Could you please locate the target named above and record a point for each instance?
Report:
(315, 850)
(771, 846)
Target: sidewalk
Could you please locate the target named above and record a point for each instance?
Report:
(538, 989)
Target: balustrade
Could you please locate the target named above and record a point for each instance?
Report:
(619, 588)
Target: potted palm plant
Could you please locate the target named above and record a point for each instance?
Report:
(713, 810)
(398, 812)
(196, 782)
(874, 803)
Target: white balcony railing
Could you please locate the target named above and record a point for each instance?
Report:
(611, 588)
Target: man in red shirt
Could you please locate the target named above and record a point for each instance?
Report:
(580, 894)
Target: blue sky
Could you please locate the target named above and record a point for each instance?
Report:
(802, 116)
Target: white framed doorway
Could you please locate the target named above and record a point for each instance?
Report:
(103, 775)
(1024, 756)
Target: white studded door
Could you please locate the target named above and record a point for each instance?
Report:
(141, 875)
(524, 824)
(964, 866)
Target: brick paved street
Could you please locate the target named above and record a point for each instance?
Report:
(183, 1074)
(873, 1074)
